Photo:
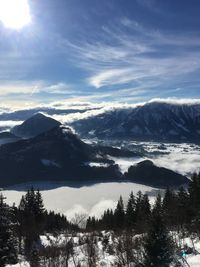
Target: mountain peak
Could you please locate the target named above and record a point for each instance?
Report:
(35, 125)
(38, 115)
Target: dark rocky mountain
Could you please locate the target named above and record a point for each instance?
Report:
(147, 173)
(59, 155)
(7, 137)
(35, 125)
(4, 135)
(153, 121)
(54, 155)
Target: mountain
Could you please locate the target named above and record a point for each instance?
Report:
(154, 121)
(24, 114)
(147, 173)
(57, 155)
(35, 125)
(7, 137)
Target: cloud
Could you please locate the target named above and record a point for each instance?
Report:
(76, 209)
(98, 209)
(9, 124)
(33, 87)
(68, 111)
(132, 54)
(177, 101)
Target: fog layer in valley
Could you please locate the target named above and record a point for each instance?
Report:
(91, 200)
(182, 158)
(94, 199)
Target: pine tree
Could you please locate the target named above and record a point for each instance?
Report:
(183, 208)
(142, 212)
(194, 191)
(170, 208)
(158, 245)
(130, 211)
(119, 214)
(31, 211)
(194, 198)
(34, 258)
(8, 251)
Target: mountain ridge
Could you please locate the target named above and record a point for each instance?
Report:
(153, 121)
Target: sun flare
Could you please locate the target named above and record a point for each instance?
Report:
(14, 14)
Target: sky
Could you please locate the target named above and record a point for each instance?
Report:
(109, 50)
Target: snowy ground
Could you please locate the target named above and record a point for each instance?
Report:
(92, 200)
(104, 258)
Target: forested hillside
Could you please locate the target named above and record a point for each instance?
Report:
(136, 233)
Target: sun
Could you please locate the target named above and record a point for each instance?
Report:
(14, 14)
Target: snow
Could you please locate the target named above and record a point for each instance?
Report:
(97, 164)
(193, 260)
(20, 264)
(103, 257)
(125, 163)
(92, 132)
(49, 163)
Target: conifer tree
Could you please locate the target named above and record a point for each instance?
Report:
(158, 245)
(170, 207)
(130, 211)
(183, 208)
(119, 214)
(142, 212)
(32, 213)
(194, 191)
(194, 199)
(8, 251)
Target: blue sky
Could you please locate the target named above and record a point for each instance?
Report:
(108, 50)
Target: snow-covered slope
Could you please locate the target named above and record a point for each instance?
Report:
(157, 121)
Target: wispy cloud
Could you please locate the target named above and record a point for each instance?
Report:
(33, 87)
(130, 53)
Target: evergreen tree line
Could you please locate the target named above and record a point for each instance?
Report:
(21, 227)
(180, 211)
(177, 212)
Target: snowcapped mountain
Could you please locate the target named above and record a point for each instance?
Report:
(155, 121)
(35, 125)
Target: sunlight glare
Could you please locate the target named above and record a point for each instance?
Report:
(14, 14)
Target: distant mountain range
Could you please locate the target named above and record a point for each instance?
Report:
(58, 154)
(150, 122)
